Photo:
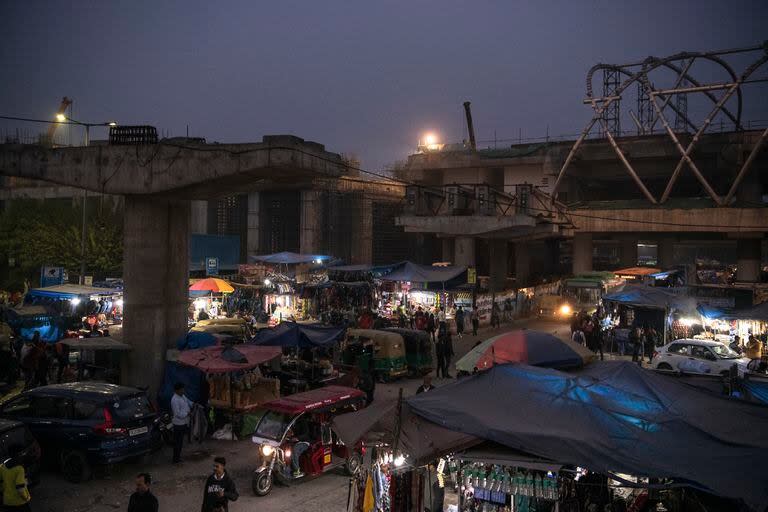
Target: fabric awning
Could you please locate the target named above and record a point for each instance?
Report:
(292, 334)
(646, 296)
(71, 291)
(414, 272)
(210, 359)
(290, 258)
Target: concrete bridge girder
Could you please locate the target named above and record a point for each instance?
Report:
(186, 171)
(468, 225)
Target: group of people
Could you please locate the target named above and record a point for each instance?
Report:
(753, 349)
(36, 359)
(587, 330)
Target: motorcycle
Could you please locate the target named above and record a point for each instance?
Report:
(165, 425)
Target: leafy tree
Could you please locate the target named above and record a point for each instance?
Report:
(37, 233)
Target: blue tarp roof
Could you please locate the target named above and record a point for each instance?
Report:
(612, 417)
(289, 258)
(291, 334)
(646, 296)
(71, 291)
(424, 273)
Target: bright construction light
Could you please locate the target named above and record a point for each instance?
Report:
(75, 301)
(565, 309)
(111, 123)
(61, 118)
(119, 303)
(267, 282)
(430, 139)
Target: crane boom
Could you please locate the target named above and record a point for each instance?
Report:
(65, 103)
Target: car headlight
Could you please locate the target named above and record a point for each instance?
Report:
(565, 309)
(267, 450)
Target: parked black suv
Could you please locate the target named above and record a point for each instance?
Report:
(14, 434)
(87, 423)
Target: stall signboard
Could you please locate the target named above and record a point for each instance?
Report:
(88, 280)
(211, 266)
(51, 276)
(252, 273)
(472, 275)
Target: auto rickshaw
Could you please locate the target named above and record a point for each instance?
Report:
(389, 360)
(232, 326)
(304, 418)
(554, 306)
(418, 350)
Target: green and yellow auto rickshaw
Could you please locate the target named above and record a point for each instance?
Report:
(418, 350)
(389, 361)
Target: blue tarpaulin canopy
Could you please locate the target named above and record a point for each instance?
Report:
(414, 272)
(612, 417)
(290, 258)
(646, 296)
(291, 334)
(71, 291)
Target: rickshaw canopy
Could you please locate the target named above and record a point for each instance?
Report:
(314, 399)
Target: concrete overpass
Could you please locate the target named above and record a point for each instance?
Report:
(158, 182)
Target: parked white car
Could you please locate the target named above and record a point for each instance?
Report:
(698, 356)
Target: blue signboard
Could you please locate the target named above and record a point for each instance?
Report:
(211, 266)
(51, 276)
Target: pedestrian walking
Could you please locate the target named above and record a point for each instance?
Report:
(142, 500)
(495, 314)
(219, 488)
(181, 407)
(440, 357)
(475, 319)
(650, 343)
(431, 327)
(459, 322)
(13, 477)
(635, 340)
(578, 337)
(447, 352)
(441, 318)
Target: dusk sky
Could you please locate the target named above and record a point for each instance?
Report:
(361, 77)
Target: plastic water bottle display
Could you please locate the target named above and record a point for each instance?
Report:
(529, 485)
(538, 488)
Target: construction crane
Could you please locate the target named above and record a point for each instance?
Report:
(65, 103)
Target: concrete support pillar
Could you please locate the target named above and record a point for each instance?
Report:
(522, 263)
(748, 260)
(362, 246)
(499, 265)
(666, 253)
(253, 233)
(448, 252)
(628, 252)
(464, 251)
(199, 217)
(309, 234)
(156, 273)
(582, 253)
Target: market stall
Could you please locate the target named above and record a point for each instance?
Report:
(306, 351)
(97, 308)
(637, 306)
(96, 359)
(237, 377)
(207, 297)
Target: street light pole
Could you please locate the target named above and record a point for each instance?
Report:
(62, 118)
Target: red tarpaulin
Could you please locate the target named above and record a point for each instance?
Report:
(209, 359)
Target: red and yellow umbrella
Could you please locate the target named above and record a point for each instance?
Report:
(212, 285)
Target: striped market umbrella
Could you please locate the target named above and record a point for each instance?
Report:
(212, 285)
(529, 347)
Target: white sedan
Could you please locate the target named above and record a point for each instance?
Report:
(698, 356)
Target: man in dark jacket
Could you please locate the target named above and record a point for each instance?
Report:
(143, 500)
(219, 488)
